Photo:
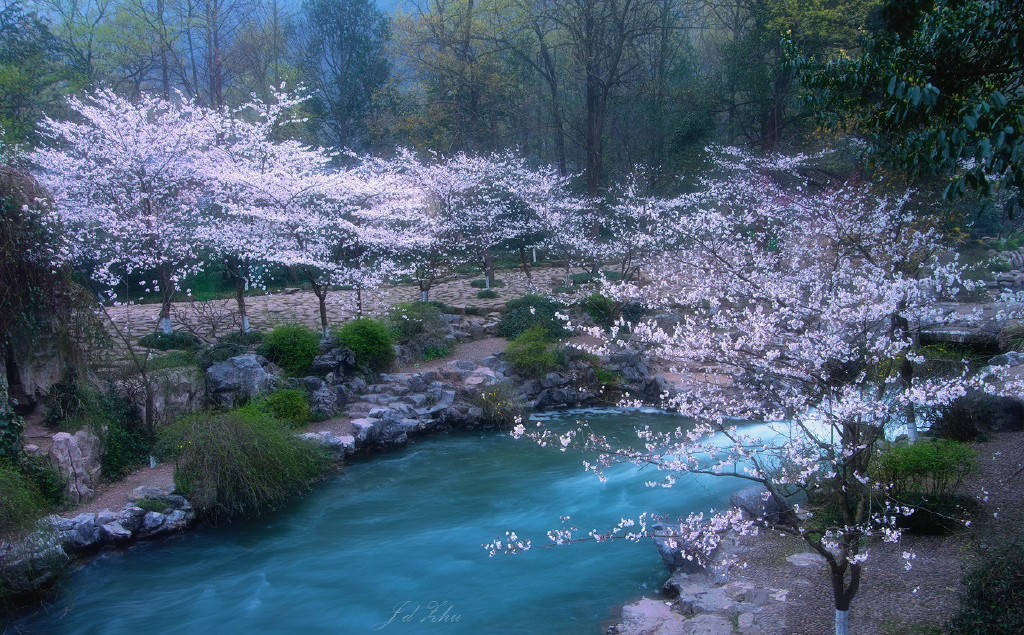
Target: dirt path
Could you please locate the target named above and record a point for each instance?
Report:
(472, 350)
(114, 496)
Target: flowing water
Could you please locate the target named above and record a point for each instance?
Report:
(393, 544)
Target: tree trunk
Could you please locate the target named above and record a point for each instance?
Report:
(240, 287)
(488, 268)
(842, 622)
(167, 291)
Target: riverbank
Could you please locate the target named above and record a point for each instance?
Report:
(891, 599)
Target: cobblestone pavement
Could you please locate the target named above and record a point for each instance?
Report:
(216, 317)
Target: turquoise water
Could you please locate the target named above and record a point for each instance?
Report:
(392, 545)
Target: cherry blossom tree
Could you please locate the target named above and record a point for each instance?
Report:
(291, 204)
(429, 242)
(124, 177)
(808, 297)
(503, 205)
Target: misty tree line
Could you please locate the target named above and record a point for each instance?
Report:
(591, 86)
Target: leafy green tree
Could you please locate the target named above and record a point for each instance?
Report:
(344, 63)
(937, 90)
(33, 71)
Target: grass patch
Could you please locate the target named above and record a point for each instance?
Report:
(486, 294)
(482, 283)
(174, 359)
(239, 463)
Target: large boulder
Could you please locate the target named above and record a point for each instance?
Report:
(979, 412)
(77, 458)
(757, 503)
(238, 379)
(333, 358)
(177, 392)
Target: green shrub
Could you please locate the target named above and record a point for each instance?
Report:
(436, 352)
(178, 340)
(502, 407)
(530, 311)
(993, 597)
(925, 467)
(292, 347)
(288, 405)
(486, 294)
(411, 319)
(240, 463)
(125, 443)
(21, 503)
(602, 309)
(472, 310)
(607, 377)
(467, 270)
(370, 341)
(47, 480)
(531, 354)
(924, 477)
(482, 283)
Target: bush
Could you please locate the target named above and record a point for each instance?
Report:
(530, 311)
(46, 479)
(21, 503)
(411, 319)
(288, 405)
(175, 340)
(602, 309)
(482, 283)
(926, 467)
(239, 463)
(486, 294)
(472, 310)
(502, 406)
(531, 354)
(924, 477)
(219, 352)
(993, 599)
(370, 341)
(292, 347)
(436, 352)
(125, 443)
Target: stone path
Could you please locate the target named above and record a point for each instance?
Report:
(295, 305)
